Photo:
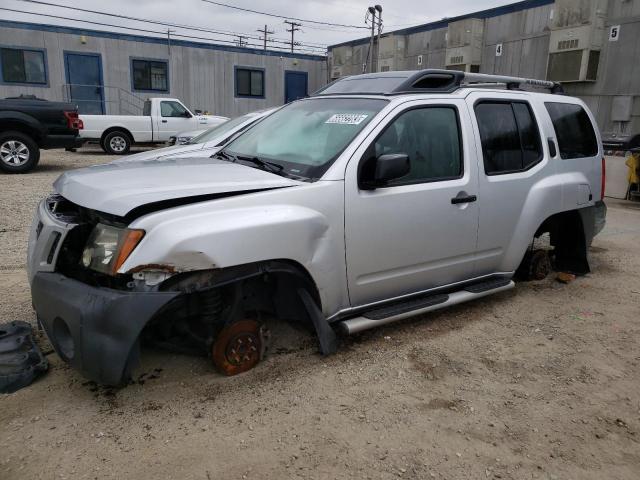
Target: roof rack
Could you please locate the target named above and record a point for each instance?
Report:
(427, 81)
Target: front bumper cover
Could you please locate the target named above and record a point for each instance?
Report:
(94, 329)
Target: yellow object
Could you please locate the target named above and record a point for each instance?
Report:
(633, 162)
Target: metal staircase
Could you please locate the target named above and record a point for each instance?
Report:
(111, 101)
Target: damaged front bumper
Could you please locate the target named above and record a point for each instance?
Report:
(94, 329)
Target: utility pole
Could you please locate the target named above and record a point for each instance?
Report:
(265, 32)
(169, 32)
(241, 42)
(379, 9)
(372, 11)
(294, 28)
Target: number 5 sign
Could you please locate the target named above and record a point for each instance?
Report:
(499, 50)
(614, 33)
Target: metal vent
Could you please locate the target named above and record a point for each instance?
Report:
(592, 66)
(565, 66)
(568, 44)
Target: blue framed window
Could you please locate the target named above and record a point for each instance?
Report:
(249, 82)
(148, 75)
(23, 66)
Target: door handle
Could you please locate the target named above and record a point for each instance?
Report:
(467, 199)
(164, 121)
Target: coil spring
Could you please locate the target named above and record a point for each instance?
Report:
(211, 306)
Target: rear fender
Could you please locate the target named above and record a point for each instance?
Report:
(549, 196)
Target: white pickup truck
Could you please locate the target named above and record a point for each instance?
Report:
(161, 118)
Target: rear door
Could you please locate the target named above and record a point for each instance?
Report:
(410, 236)
(173, 118)
(513, 162)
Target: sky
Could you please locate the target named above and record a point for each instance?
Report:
(205, 18)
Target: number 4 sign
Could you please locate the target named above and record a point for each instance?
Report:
(614, 33)
(499, 50)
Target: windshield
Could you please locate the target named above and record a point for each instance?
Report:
(306, 136)
(222, 129)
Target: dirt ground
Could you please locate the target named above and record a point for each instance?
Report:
(539, 382)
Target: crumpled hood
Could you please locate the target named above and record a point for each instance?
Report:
(118, 188)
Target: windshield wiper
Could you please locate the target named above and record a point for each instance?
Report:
(226, 156)
(269, 166)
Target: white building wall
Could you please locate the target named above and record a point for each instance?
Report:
(202, 77)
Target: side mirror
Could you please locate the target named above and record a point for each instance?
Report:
(186, 115)
(377, 172)
(198, 112)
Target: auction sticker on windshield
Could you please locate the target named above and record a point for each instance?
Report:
(347, 118)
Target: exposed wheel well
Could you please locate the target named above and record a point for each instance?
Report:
(211, 299)
(567, 236)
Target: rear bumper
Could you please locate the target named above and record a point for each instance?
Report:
(593, 220)
(600, 215)
(61, 141)
(93, 329)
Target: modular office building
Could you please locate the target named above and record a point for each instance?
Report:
(107, 72)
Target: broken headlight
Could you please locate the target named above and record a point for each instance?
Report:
(108, 247)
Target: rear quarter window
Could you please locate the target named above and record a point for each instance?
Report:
(574, 131)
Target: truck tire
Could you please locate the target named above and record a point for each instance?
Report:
(116, 143)
(19, 153)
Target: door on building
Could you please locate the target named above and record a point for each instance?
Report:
(295, 85)
(84, 81)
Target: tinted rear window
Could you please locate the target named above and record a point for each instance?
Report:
(509, 135)
(574, 131)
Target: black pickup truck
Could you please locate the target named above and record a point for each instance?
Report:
(29, 124)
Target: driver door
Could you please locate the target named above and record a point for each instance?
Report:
(409, 235)
(174, 118)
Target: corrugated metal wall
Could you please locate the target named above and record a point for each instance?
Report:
(202, 78)
(524, 33)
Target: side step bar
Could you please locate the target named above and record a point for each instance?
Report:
(417, 306)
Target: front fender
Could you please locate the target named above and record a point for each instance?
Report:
(237, 236)
(231, 237)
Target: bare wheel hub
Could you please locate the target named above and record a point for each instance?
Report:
(239, 347)
(540, 265)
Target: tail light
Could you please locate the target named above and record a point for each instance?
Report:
(73, 121)
(604, 178)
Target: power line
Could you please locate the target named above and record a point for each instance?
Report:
(283, 16)
(156, 32)
(156, 22)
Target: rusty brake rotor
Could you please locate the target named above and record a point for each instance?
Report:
(239, 347)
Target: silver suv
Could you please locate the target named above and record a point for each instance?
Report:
(380, 197)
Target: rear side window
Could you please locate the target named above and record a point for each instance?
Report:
(574, 131)
(509, 135)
